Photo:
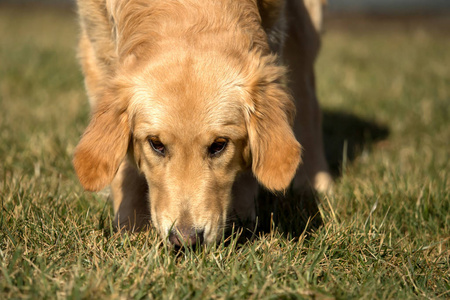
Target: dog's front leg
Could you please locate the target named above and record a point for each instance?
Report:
(245, 193)
(301, 48)
(130, 198)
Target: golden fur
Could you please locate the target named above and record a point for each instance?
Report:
(172, 81)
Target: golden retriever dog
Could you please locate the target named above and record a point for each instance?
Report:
(193, 104)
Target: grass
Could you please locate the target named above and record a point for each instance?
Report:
(385, 90)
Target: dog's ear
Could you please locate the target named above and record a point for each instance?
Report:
(275, 151)
(103, 147)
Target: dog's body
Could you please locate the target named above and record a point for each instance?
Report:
(190, 105)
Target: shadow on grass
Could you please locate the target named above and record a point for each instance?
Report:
(345, 137)
(291, 213)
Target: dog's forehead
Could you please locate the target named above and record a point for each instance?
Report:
(187, 104)
(189, 92)
(210, 113)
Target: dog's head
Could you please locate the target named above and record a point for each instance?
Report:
(192, 120)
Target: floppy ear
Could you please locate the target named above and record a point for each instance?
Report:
(276, 153)
(102, 148)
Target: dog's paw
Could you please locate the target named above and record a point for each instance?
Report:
(323, 183)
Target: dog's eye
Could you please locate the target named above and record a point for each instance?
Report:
(217, 147)
(157, 146)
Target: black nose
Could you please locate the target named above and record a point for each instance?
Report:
(186, 236)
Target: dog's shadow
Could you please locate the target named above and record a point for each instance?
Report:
(346, 136)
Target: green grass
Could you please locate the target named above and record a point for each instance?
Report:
(385, 89)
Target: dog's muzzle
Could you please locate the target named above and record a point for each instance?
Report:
(186, 236)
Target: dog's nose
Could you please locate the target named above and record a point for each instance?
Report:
(186, 236)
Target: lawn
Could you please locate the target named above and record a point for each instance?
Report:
(385, 233)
